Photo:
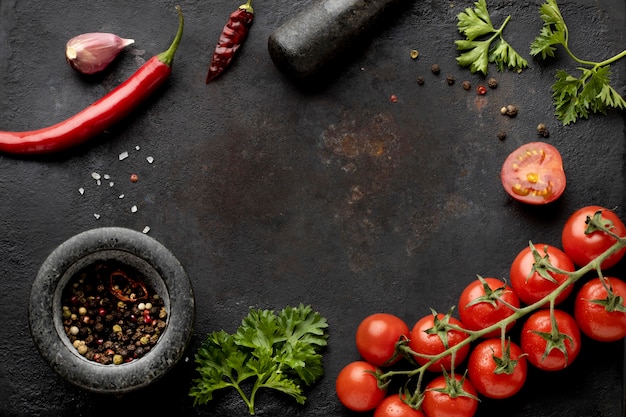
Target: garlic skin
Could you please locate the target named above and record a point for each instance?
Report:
(92, 52)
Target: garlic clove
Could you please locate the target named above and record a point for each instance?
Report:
(92, 52)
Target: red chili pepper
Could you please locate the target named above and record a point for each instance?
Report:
(232, 37)
(100, 115)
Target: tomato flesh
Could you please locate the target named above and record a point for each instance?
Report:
(533, 174)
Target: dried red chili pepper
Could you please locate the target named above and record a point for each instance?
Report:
(100, 115)
(231, 38)
(120, 276)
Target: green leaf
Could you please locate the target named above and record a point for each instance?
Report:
(483, 43)
(553, 32)
(281, 351)
(476, 57)
(475, 22)
(503, 55)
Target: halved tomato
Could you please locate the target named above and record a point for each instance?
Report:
(533, 173)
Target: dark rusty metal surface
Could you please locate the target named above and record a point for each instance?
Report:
(270, 193)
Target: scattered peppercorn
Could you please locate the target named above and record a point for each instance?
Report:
(492, 83)
(435, 69)
(420, 80)
(502, 135)
(466, 85)
(414, 53)
(134, 177)
(542, 130)
(509, 110)
(481, 90)
(450, 79)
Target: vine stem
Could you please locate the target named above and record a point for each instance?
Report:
(549, 299)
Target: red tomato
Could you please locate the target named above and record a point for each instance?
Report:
(531, 287)
(357, 388)
(533, 173)
(534, 345)
(393, 406)
(482, 367)
(479, 307)
(431, 344)
(583, 248)
(441, 404)
(603, 322)
(376, 338)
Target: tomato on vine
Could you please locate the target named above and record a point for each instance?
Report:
(447, 396)
(357, 387)
(551, 342)
(533, 173)
(394, 406)
(583, 241)
(487, 301)
(599, 309)
(530, 279)
(432, 335)
(496, 372)
(376, 338)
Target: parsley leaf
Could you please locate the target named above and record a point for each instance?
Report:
(276, 351)
(480, 49)
(575, 97)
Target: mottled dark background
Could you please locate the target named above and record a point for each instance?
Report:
(271, 194)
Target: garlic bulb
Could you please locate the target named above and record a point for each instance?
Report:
(92, 52)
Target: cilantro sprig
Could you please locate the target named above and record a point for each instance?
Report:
(483, 43)
(276, 351)
(575, 97)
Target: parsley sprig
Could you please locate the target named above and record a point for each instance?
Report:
(277, 351)
(575, 97)
(483, 43)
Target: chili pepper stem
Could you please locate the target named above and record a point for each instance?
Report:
(167, 57)
(247, 6)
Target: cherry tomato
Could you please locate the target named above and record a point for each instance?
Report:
(441, 404)
(357, 388)
(393, 406)
(431, 344)
(511, 371)
(480, 306)
(531, 287)
(583, 248)
(376, 338)
(533, 173)
(534, 345)
(598, 315)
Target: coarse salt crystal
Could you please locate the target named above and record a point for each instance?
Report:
(137, 147)
(81, 190)
(121, 196)
(96, 215)
(95, 176)
(107, 176)
(146, 229)
(123, 155)
(111, 184)
(133, 209)
(150, 159)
